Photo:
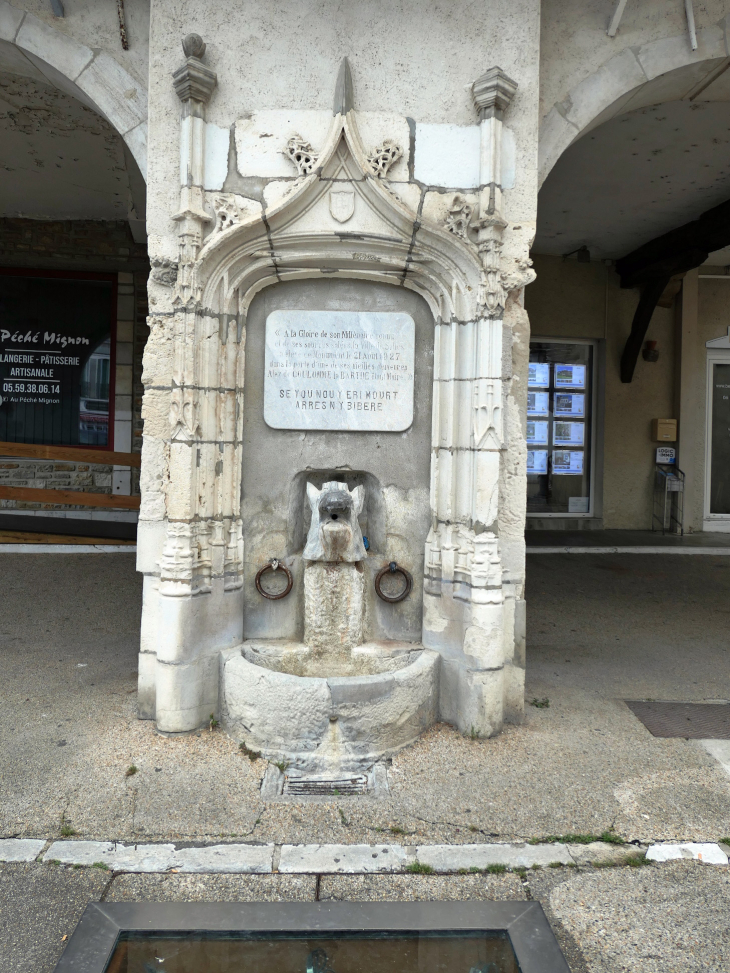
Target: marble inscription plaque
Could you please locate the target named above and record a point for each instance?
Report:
(335, 370)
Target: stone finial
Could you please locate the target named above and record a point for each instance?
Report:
(493, 92)
(193, 45)
(194, 81)
(344, 94)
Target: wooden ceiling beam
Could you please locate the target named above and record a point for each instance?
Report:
(653, 265)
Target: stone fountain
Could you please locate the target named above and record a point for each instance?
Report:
(333, 703)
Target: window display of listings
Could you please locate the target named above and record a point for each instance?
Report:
(569, 404)
(537, 432)
(538, 375)
(538, 403)
(570, 376)
(560, 384)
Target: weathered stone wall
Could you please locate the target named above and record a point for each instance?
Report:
(412, 65)
(99, 245)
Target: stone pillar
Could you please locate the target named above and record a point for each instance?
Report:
(192, 605)
(333, 608)
(464, 611)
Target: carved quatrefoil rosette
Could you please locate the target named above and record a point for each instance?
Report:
(301, 153)
(384, 156)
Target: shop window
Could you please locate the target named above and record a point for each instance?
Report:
(560, 428)
(57, 339)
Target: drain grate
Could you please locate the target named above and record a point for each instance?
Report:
(691, 721)
(325, 786)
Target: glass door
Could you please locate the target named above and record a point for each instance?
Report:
(717, 445)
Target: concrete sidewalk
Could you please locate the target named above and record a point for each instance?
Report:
(601, 629)
(641, 920)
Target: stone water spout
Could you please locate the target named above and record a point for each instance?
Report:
(334, 534)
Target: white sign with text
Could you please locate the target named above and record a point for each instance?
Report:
(339, 370)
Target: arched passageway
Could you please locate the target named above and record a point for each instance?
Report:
(631, 235)
(73, 272)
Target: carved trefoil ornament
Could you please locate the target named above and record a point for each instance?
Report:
(342, 204)
(183, 414)
(301, 153)
(457, 222)
(384, 156)
(488, 414)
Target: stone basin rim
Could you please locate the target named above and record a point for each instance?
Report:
(265, 654)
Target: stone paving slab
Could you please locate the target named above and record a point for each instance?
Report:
(212, 888)
(354, 859)
(452, 858)
(20, 849)
(343, 858)
(239, 859)
(39, 906)
(710, 854)
(118, 857)
(421, 888)
(653, 919)
(603, 852)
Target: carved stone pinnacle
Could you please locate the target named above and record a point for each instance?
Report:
(344, 94)
(194, 81)
(493, 92)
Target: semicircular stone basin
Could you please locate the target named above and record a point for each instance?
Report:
(282, 700)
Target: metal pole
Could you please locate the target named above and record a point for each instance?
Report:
(691, 24)
(616, 19)
(122, 25)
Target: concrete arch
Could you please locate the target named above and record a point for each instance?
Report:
(95, 78)
(662, 70)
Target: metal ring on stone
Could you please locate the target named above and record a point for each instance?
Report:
(274, 565)
(393, 568)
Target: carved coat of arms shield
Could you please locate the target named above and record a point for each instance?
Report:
(342, 204)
